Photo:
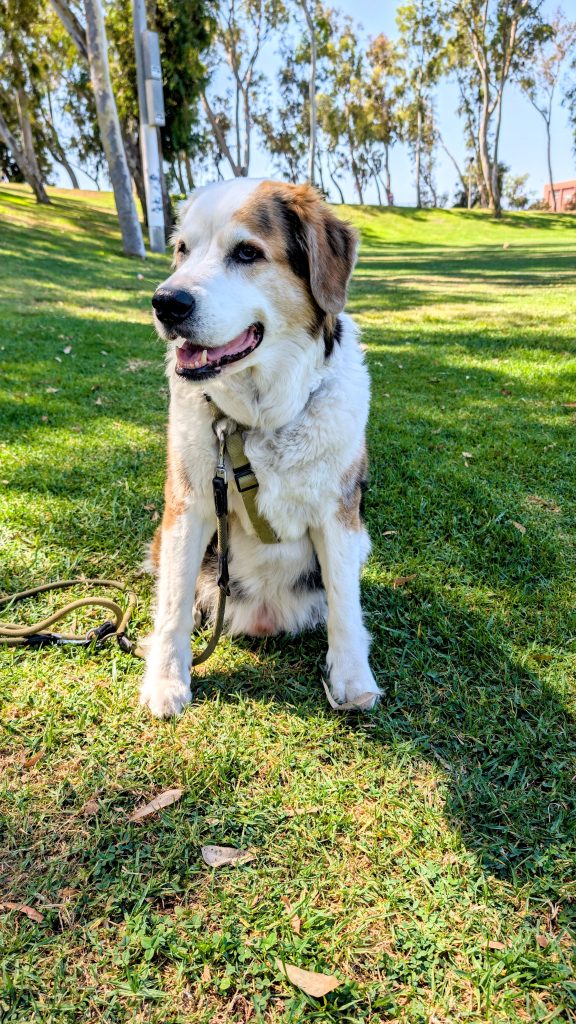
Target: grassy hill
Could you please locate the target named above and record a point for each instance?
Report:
(424, 854)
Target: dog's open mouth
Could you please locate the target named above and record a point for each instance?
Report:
(199, 361)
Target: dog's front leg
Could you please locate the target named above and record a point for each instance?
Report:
(166, 685)
(341, 551)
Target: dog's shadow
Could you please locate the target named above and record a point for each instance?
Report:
(454, 694)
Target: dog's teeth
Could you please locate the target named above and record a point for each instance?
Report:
(204, 358)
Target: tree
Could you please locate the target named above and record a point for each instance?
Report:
(494, 40)
(539, 80)
(242, 29)
(18, 91)
(514, 191)
(420, 60)
(382, 103)
(311, 88)
(110, 134)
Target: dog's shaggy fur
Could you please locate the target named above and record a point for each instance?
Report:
(253, 316)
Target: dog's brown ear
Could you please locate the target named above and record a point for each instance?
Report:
(332, 248)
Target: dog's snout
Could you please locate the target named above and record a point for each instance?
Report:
(172, 305)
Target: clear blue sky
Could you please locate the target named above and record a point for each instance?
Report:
(523, 135)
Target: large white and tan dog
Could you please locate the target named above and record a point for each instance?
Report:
(253, 317)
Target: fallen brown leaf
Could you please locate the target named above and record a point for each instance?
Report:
(218, 856)
(535, 499)
(401, 580)
(91, 807)
(494, 944)
(22, 908)
(170, 796)
(542, 941)
(569, 405)
(389, 533)
(206, 975)
(295, 921)
(31, 761)
(519, 526)
(310, 982)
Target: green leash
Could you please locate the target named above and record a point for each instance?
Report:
(38, 634)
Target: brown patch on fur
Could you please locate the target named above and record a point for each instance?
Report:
(298, 227)
(350, 503)
(176, 489)
(154, 552)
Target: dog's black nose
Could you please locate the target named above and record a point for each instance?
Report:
(172, 306)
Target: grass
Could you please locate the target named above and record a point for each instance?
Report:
(428, 849)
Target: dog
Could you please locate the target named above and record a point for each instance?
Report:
(253, 317)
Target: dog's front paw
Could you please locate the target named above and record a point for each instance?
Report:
(165, 694)
(351, 686)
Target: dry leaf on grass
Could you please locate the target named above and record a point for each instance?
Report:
(310, 982)
(31, 761)
(569, 405)
(542, 941)
(519, 526)
(467, 455)
(22, 908)
(535, 499)
(91, 807)
(362, 703)
(170, 796)
(218, 856)
(494, 944)
(389, 533)
(206, 975)
(295, 921)
(400, 581)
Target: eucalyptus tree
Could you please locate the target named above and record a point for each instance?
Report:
(19, 98)
(421, 54)
(540, 79)
(242, 30)
(493, 40)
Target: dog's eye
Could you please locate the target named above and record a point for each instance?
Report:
(246, 253)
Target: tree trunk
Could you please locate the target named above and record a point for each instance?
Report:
(189, 172)
(169, 220)
(28, 149)
(496, 199)
(177, 170)
(110, 133)
(549, 158)
(28, 173)
(419, 155)
(134, 160)
(334, 181)
(387, 179)
(220, 138)
(311, 93)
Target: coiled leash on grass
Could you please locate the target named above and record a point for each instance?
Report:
(36, 634)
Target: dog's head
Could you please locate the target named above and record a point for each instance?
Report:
(256, 263)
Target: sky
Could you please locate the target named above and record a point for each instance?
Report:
(523, 138)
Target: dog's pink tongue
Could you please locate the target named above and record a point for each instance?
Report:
(191, 355)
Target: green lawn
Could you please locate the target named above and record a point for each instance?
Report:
(429, 849)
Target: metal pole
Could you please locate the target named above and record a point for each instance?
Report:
(148, 139)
